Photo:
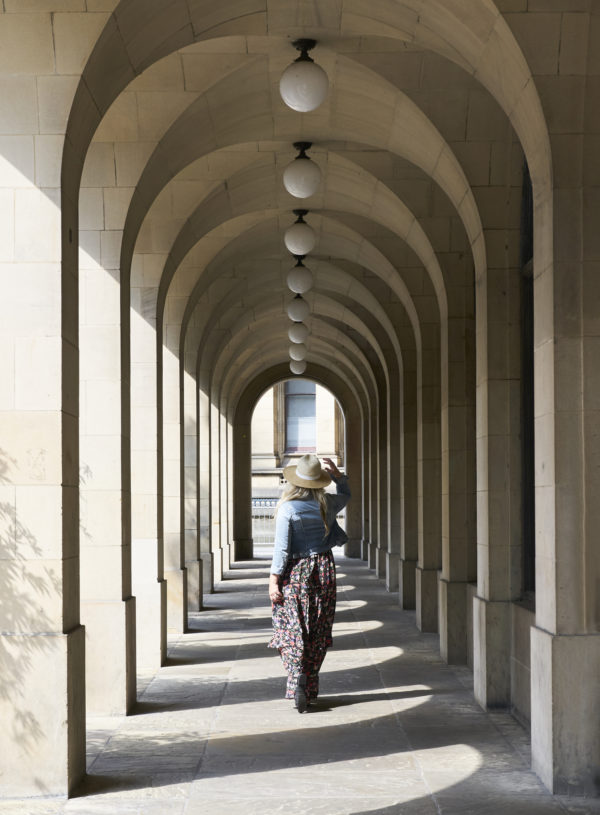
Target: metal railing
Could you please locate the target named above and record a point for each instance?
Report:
(263, 519)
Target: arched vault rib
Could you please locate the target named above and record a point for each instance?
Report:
(238, 352)
(405, 131)
(323, 357)
(345, 243)
(481, 42)
(348, 188)
(336, 280)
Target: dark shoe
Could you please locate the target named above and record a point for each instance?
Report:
(300, 695)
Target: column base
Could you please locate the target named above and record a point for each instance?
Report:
(176, 600)
(151, 629)
(452, 600)
(208, 585)
(226, 557)
(243, 549)
(217, 563)
(110, 660)
(365, 546)
(372, 555)
(380, 562)
(407, 584)
(391, 571)
(42, 709)
(426, 597)
(491, 652)
(194, 585)
(565, 700)
(353, 548)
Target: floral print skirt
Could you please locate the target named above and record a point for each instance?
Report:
(302, 623)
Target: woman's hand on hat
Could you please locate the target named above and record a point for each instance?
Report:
(274, 591)
(331, 468)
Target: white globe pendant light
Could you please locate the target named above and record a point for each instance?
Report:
(297, 367)
(298, 310)
(300, 237)
(302, 177)
(303, 85)
(298, 332)
(298, 351)
(300, 279)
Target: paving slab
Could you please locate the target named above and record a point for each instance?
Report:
(395, 731)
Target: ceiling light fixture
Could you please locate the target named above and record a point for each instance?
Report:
(298, 310)
(297, 367)
(300, 279)
(297, 351)
(300, 238)
(302, 176)
(303, 85)
(298, 332)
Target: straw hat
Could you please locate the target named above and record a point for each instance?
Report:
(307, 473)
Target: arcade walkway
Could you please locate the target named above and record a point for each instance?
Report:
(396, 730)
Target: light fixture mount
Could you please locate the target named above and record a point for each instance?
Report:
(302, 147)
(304, 45)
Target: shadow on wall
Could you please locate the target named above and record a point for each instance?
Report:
(26, 584)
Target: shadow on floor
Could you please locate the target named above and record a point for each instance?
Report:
(135, 758)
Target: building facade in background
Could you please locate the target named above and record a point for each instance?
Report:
(292, 418)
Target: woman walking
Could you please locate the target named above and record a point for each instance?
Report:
(302, 582)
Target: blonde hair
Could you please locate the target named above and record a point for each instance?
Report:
(293, 493)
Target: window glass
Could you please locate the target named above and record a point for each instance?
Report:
(300, 416)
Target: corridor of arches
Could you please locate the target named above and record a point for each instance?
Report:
(454, 315)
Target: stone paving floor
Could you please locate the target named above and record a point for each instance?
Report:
(395, 731)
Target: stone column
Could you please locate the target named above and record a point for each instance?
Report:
(565, 642)
(193, 562)
(148, 583)
(215, 490)
(353, 466)
(224, 491)
(383, 478)
(498, 478)
(429, 480)
(366, 479)
(395, 479)
(374, 485)
(204, 506)
(42, 644)
(458, 489)
(410, 539)
(242, 490)
(170, 429)
(107, 605)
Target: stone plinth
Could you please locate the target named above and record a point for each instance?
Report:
(407, 583)
(110, 664)
(565, 711)
(42, 739)
(176, 600)
(391, 571)
(491, 656)
(452, 599)
(426, 599)
(194, 584)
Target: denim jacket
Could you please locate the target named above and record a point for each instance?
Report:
(299, 528)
